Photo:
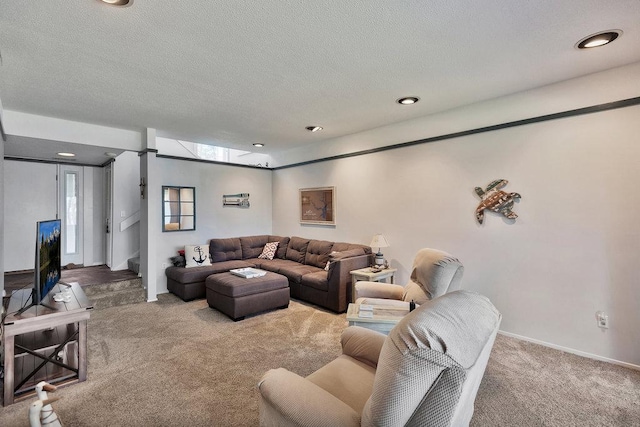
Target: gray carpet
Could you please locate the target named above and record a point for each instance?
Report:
(172, 363)
(527, 384)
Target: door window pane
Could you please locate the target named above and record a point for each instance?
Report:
(71, 212)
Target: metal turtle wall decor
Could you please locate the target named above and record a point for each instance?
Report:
(496, 200)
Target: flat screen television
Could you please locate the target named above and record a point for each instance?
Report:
(47, 268)
(48, 262)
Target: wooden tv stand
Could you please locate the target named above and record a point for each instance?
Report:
(43, 344)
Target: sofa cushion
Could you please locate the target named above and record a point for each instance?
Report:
(283, 243)
(234, 286)
(252, 245)
(295, 273)
(317, 280)
(342, 246)
(269, 250)
(297, 249)
(197, 256)
(275, 264)
(198, 274)
(225, 249)
(335, 256)
(318, 253)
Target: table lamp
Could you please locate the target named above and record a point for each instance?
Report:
(379, 241)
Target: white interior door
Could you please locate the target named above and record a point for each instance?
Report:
(70, 182)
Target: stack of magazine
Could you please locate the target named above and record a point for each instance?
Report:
(248, 272)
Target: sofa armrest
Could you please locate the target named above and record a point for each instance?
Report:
(287, 399)
(365, 289)
(339, 279)
(362, 344)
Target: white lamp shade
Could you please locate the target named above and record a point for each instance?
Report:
(379, 241)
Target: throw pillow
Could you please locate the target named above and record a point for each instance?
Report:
(197, 255)
(178, 261)
(269, 250)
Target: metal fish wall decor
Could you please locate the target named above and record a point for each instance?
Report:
(240, 200)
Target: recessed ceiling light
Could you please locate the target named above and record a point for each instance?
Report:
(258, 144)
(118, 2)
(66, 154)
(313, 128)
(408, 100)
(598, 39)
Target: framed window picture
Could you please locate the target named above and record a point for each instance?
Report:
(318, 206)
(178, 208)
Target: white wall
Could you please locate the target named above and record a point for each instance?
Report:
(41, 127)
(150, 221)
(30, 196)
(212, 219)
(573, 250)
(126, 204)
(1, 213)
(94, 219)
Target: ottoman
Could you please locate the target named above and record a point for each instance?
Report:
(238, 297)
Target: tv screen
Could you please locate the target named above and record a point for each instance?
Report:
(48, 250)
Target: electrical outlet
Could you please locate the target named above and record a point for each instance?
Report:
(602, 320)
(164, 265)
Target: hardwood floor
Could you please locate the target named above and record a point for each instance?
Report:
(105, 288)
(85, 276)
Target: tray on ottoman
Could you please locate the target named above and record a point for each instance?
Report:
(238, 297)
(248, 273)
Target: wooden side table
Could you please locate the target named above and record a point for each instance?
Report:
(383, 317)
(367, 275)
(43, 344)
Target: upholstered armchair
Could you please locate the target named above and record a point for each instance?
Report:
(433, 274)
(426, 372)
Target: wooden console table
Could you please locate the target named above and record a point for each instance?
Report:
(43, 344)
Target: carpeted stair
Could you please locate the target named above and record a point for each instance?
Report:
(133, 264)
(116, 293)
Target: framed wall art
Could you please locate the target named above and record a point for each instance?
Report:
(318, 206)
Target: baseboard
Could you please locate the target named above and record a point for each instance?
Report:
(572, 351)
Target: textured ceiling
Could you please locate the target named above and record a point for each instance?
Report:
(231, 73)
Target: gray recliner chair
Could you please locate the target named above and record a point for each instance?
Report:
(425, 373)
(433, 274)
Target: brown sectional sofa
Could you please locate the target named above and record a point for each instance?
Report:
(302, 261)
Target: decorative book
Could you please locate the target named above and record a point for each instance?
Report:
(248, 272)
